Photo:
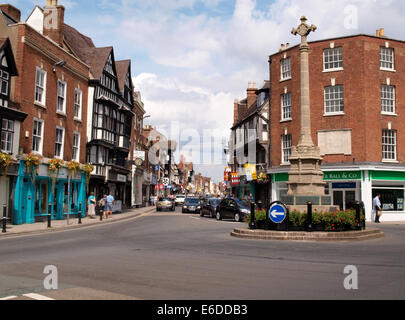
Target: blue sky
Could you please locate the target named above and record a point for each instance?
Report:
(192, 58)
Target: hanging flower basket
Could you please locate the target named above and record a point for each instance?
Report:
(262, 178)
(73, 167)
(54, 167)
(88, 169)
(32, 162)
(5, 161)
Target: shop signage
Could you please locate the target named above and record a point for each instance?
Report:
(344, 185)
(251, 173)
(235, 179)
(121, 178)
(342, 175)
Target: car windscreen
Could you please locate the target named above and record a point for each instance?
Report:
(180, 197)
(192, 201)
(215, 202)
(242, 204)
(164, 199)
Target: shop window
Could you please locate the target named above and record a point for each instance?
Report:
(391, 199)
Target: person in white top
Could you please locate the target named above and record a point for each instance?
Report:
(377, 207)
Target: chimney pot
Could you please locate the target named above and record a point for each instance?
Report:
(282, 46)
(382, 32)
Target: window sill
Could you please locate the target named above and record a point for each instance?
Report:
(389, 70)
(77, 120)
(39, 104)
(286, 120)
(389, 114)
(390, 161)
(334, 114)
(60, 113)
(286, 79)
(286, 164)
(332, 70)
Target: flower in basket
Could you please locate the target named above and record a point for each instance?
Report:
(5, 161)
(88, 168)
(73, 166)
(55, 164)
(32, 160)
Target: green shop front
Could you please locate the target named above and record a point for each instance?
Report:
(39, 191)
(347, 185)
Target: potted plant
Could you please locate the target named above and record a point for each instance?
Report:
(73, 167)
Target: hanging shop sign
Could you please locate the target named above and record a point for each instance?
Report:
(251, 173)
(235, 178)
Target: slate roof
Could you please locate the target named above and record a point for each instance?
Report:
(122, 70)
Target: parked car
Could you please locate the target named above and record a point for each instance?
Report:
(180, 200)
(232, 208)
(165, 204)
(192, 205)
(209, 207)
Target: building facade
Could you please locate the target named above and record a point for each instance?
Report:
(50, 88)
(356, 112)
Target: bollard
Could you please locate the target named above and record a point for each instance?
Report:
(4, 219)
(267, 221)
(80, 213)
(252, 216)
(363, 210)
(358, 218)
(309, 217)
(101, 213)
(49, 214)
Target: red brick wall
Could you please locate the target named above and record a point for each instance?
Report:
(27, 59)
(362, 80)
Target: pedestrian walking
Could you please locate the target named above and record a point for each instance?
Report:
(377, 208)
(152, 200)
(110, 202)
(103, 204)
(92, 206)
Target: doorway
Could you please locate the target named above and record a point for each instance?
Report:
(345, 199)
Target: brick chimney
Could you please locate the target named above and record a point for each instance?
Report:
(11, 11)
(54, 18)
(251, 94)
(235, 111)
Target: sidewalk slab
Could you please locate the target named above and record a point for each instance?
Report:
(59, 225)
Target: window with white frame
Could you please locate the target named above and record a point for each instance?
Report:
(76, 147)
(389, 145)
(78, 104)
(286, 113)
(285, 69)
(7, 134)
(334, 99)
(387, 99)
(333, 59)
(37, 136)
(61, 107)
(4, 82)
(387, 58)
(59, 142)
(286, 148)
(40, 86)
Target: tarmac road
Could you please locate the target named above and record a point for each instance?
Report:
(174, 256)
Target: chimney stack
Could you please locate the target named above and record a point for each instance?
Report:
(282, 47)
(54, 18)
(235, 111)
(251, 94)
(11, 11)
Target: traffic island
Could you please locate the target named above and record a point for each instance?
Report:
(346, 236)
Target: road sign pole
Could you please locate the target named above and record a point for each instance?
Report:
(252, 216)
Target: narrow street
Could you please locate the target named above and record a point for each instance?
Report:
(181, 256)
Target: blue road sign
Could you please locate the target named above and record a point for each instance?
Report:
(277, 213)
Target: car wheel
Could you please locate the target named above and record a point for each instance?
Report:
(219, 216)
(237, 217)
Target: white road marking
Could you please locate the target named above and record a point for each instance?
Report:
(8, 298)
(36, 296)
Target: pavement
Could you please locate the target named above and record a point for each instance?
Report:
(73, 223)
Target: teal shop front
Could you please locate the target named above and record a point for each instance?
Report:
(34, 192)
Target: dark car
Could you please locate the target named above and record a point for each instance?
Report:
(209, 207)
(232, 208)
(192, 205)
(165, 203)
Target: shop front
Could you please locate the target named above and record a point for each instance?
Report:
(346, 186)
(37, 191)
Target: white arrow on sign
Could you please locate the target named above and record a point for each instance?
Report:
(275, 213)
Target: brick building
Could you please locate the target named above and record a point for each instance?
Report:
(51, 88)
(357, 92)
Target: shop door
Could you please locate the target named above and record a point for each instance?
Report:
(338, 199)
